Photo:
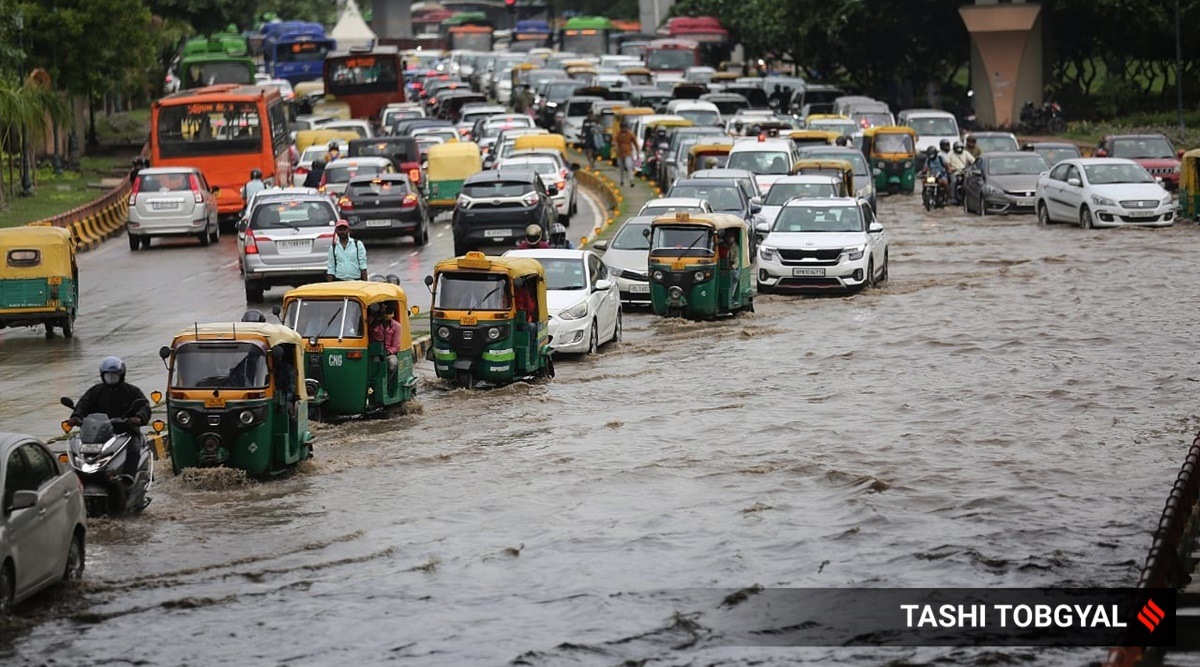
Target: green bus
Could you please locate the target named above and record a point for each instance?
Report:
(586, 35)
(220, 58)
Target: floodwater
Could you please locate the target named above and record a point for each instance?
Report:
(1008, 411)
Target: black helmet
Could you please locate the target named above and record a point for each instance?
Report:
(932, 151)
(558, 233)
(945, 145)
(958, 147)
(333, 146)
(533, 233)
(255, 174)
(113, 366)
(254, 315)
(842, 141)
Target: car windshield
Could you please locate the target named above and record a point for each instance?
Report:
(729, 107)
(232, 365)
(996, 144)
(578, 108)
(846, 127)
(681, 241)
(325, 318)
(472, 291)
(561, 90)
(781, 192)
(631, 237)
(760, 162)
(540, 166)
(701, 116)
(1055, 154)
(670, 59)
(934, 127)
(293, 214)
(378, 187)
(1012, 166)
(872, 118)
(343, 174)
(497, 189)
(1108, 174)
(853, 157)
(1143, 148)
(894, 143)
(564, 273)
(819, 219)
(656, 211)
(720, 197)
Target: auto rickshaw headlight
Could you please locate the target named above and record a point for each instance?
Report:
(493, 333)
(443, 333)
(246, 417)
(658, 276)
(183, 417)
(699, 276)
(880, 164)
(908, 164)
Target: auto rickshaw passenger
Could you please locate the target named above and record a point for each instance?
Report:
(385, 329)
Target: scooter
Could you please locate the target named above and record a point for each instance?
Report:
(933, 195)
(97, 453)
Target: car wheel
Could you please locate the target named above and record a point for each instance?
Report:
(883, 275)
(460, 249)
(1085, 218)
(573, 208)
(967, 204)
(254, 291)
(134, 242)
(205, 239)
(215, 236)
(145, 242)
(7, 589)
(75, 561)
(422, 237)
(618, 328)
(869, 276)
(1043, 214)
(593, 339)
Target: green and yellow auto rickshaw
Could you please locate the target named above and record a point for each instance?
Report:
(700, 265)
(39, 280)
(709, 155)
(489, 320)
(237, 398)
(803, 138)
(448, 166)
(840, 169)
(892, 153)
(1189, 185)
(340, 352)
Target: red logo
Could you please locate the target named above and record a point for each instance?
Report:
(1151, 615)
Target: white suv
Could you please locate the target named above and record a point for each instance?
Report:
(768, 159)
(818, 244)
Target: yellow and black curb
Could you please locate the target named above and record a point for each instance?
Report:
(420, 348)
(94, 222)
(610, 196)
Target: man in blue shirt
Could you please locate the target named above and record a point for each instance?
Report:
(347, 257)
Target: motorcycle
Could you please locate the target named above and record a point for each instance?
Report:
(1049, 118)
(97, 453)
(933, 195)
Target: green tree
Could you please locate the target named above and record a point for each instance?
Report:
(26, 108)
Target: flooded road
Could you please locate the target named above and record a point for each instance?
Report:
(1007, 411)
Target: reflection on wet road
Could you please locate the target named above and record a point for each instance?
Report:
(1004, 412)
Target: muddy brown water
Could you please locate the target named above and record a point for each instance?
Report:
(1007, 411)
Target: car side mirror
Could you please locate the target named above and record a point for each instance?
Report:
(603, 285)
(1074, 182)
(22, 500)
(600, 245)
(1179, 153)
(755, 208)
(874, 228)
(1100, 152)
(756, 201)
(1158, 179)
(763, 227)
(243, 224)
(276, 310)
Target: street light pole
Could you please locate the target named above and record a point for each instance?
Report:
(1178, 67)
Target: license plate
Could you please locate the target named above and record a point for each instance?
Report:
(293, 246)
(808, 272)
(163, 205)
(1025, 201)
(497, 233)
(379, 223)
(1141, 214)
(639, 289)
(91, 448)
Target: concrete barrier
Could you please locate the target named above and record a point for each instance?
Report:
(96, 221)
(609, 194)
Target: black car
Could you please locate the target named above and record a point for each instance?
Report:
(494, 208)
(386, 205)
(404, 128)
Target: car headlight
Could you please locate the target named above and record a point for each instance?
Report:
(443, 333)
(1102, 201)
(766, 252)
(463, 201)
(855, 253)
(578, 311)
(493, 333)
(1167, 200)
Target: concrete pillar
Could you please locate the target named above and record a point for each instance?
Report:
(392, 19)
(1006, 58)
(653, 13)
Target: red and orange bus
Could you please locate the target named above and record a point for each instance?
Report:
(367, 79)
(224, 130)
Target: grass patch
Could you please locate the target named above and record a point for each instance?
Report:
(1142, 123)
(57, 194)
(123, 127)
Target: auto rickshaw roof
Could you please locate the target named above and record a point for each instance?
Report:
(889, 129)
(815, 134)
(822, 163)
(54, 243)
(525, 67)
(274, 334)
(306, 138)
(514, 267)
(633, 111)
(711, 148)
(368, 292)
(711, 220)
(454, 151)
(670, 122)
(552, 141)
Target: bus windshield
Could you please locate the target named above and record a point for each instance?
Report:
(361, 74)
(670, 59)
(583, 41)
(209, 128)
(198, 75)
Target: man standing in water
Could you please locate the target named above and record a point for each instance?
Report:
(347, 259)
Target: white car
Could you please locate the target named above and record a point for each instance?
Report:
(669, 205)
(1103, 192)
(627, 257)
(585, 308)
(931, 126)
(818, 244)
(310, 155)
(767, 159)
(698, 111)
(554, 172)
(805, 186)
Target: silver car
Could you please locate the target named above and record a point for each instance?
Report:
(43, 524)
(286, 242)
(339, 172)
(172, 201)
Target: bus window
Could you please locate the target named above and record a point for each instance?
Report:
(209, 128)
(362, 75)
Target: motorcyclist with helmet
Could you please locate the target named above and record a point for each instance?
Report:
(558, 237)
(115, 397)
(255, 184)
(944, 150)
(533, 238)
(936, 165)
(254, 315)
(957, 164)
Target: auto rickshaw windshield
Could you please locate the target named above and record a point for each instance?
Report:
(226, 365)
(681, 241)
(472, 291)
(894, 143)
(323, 318)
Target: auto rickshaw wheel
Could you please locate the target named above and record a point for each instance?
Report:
(68, 326)
(465, 379)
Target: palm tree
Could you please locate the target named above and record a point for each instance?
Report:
(27, 109)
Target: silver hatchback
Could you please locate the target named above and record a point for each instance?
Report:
(339, 172)
(172, 201)
(43, 523)
(286, 243)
